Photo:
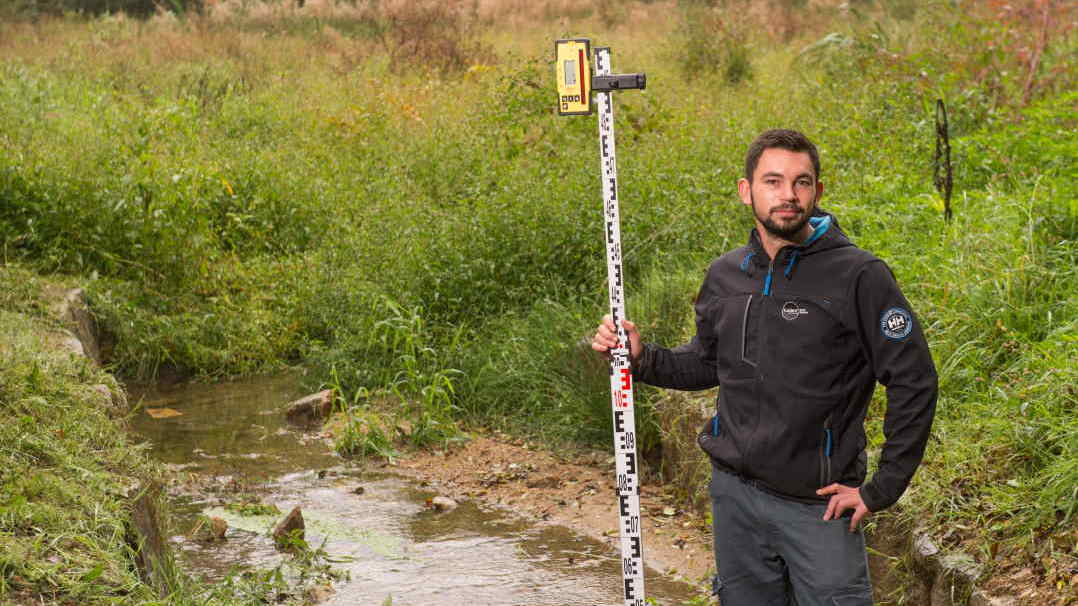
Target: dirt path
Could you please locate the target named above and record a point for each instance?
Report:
(575, 491)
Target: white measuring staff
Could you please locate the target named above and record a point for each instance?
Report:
(621, 376)
(575, 82)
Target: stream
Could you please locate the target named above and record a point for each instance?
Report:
(231, 439)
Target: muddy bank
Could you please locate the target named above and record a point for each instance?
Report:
(569, 490)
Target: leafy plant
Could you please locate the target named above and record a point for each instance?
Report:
(714, 42)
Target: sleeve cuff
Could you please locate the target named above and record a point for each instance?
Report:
(872, 498)
(640, 364)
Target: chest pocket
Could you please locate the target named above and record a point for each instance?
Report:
(804, 338)
(804, 322)
(734, 321)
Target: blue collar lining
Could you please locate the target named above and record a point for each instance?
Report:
(820, 225)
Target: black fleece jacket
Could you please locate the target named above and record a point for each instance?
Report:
(797, 346)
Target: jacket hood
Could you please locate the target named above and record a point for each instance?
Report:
(826, 235)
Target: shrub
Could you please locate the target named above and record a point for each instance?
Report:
(713, 42)
(435, 34)
(33, 9)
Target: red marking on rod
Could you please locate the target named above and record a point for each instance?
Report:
(626, 379)
(580, 62)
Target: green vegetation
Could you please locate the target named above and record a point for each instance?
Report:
(267, 184)
(69, 477)
(62, 527)
(252, 507)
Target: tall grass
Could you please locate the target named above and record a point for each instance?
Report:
(248, 188)
(69, 476)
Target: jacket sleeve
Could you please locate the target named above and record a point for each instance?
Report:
(897, 350)
(691, 366)
(685, 367)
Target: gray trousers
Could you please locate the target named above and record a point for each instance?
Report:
(771, 551)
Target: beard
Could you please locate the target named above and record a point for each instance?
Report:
(788, 229)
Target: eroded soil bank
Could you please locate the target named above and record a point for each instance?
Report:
(573, 490)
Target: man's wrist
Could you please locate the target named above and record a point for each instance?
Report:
(638, 362)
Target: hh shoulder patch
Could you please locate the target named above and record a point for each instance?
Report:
(896, 323)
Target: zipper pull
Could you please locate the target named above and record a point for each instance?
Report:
(767, 280)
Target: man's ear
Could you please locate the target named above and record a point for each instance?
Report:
(744, 189)
(819, 191)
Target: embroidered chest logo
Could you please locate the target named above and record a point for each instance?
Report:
(791, 310)
(896, 323)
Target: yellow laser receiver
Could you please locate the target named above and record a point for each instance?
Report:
(572, 70)
(573, 73)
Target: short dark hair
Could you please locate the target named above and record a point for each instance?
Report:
(783, 138)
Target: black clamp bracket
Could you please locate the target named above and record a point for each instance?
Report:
(605, 84)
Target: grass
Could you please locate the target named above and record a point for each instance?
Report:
(70, 475)
(62, 525)
(261, 185)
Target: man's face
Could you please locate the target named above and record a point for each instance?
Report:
(783, 193)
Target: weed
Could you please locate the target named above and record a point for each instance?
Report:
(429, 33)
(613, 13)
(366, 433)
(714, 42)
(417, 403)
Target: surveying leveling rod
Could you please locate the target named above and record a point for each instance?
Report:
(575, 84)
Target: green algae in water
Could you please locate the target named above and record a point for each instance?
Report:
(319, 523)
(253, 508)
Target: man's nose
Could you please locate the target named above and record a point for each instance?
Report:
(787, 192)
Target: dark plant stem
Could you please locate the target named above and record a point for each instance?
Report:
(942, 171)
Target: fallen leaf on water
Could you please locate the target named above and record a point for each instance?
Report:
(163, 413)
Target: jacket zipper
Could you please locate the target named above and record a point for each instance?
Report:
(766, 293)
(744, 327)
(826, 447)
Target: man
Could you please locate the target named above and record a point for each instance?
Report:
(796, 328)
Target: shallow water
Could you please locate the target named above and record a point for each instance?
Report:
(234, 435)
